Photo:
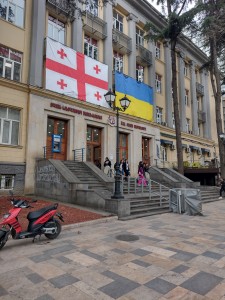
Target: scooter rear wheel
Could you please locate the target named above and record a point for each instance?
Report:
(56, 234)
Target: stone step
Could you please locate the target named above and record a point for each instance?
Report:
(145, 214)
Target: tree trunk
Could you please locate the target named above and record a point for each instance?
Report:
(180, 164)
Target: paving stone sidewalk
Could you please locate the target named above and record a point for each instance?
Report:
(167, 256)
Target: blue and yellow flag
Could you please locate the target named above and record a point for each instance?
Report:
(140, 94)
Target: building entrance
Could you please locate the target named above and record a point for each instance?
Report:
(93, 144)
(145, 150)
(56, 144)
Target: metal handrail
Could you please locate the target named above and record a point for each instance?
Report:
(47, 149)
(161, 186)
(148, 188)
(78, 154)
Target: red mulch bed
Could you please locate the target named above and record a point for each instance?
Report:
(70, 214)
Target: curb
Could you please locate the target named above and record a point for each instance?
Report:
(88, 223)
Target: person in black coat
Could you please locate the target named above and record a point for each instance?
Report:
(222, 189)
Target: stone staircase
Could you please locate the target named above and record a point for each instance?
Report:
(141, 205)
(142, 201)
(88, 177)
(145, 202)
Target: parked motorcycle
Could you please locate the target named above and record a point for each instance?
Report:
(40, 222)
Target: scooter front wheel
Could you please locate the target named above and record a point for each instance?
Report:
(2, 239)
(57, 231)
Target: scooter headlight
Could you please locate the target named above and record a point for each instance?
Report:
(5, 216)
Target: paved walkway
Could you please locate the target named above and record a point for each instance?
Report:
(166, 256)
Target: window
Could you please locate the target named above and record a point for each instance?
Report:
(117, 21)
(164, 153)
(10, 63)
(56, 30)
(139, 73)
(159, 113)
(90, 47)
(158, 83)
(9, 125)
(6, 181)
(188, 125)
(118, 61)
(186, 98)
(12, 11)
(157, 50)
(92, 7)
(186, 69)
(139, 37)
(173, 120)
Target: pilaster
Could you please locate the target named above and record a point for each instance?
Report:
(181, 91)
(168, 86)
(37, 43)
(194, 105)
(108, 46)
(132, 19)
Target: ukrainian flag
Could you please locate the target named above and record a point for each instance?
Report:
(140, 94)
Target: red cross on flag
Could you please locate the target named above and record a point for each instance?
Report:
(75, 74)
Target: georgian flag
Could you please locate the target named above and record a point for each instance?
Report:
(75, 74)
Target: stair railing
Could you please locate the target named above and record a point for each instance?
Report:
(163, 191)
(153, 188)
(47, 152)
(79, 154)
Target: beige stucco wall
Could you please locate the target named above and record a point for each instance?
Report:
(18, 39)
(15, 98)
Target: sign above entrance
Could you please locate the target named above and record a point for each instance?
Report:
(75, 111)
(130, 125)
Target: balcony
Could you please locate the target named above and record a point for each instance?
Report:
(143, 56)
(201, 116)
(61, 7)
(121, 42)
(199, 89)
(95, 26)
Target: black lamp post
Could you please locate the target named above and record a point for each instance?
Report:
(110, 98)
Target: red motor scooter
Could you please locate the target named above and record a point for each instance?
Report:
(41, 222)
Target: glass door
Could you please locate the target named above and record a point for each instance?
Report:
(56, 139)
(93, 144)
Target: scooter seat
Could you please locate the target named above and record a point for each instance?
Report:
(38, 213)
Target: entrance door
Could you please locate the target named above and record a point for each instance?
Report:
(123, 146)
(93, 144)
(56, 139)
(145, 150)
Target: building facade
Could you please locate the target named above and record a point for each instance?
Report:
(111, 32)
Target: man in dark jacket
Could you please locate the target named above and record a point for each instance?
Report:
(222, 189)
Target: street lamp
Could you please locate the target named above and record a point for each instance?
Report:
(110, 98)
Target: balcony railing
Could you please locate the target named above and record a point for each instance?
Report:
(199, 89)
(94, 25)
(143, 56)
(121, 42)
(63, 7)
(201, 116)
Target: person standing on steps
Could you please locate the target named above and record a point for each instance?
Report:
(107, 166)
(222, 189)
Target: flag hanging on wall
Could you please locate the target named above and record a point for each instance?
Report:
(75, 74)
(140, 94)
